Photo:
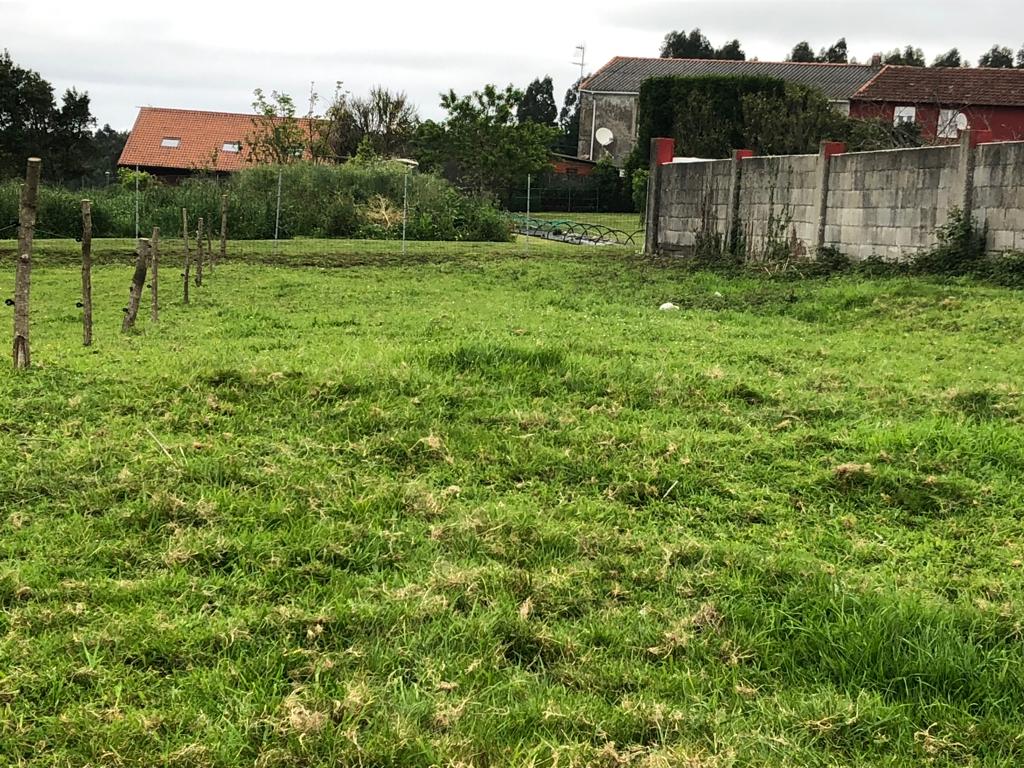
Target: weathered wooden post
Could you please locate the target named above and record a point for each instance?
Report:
(188, 263)
(86, 273)
(23, 273)
(154, 291)
(223, 227)
(209, 247)
(143, 251)
(199, 253)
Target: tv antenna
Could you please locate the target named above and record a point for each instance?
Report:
(581, 54)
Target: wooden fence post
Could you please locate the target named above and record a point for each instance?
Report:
(199, 253)
(23, 273)
(154, 290)
(223, 227)
(138, 282)
(209, 247)
(86, 273)
(188, 264)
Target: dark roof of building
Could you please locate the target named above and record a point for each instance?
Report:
(946, 85)
(201, 139)
(572, 159)
(626, 75)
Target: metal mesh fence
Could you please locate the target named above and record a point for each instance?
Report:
(307, 218)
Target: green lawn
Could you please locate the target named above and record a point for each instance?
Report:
(476, 509)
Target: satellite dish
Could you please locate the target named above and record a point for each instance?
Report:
(604, 137)
(961, 121)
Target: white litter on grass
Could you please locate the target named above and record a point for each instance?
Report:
(718, 295)
(668, 307)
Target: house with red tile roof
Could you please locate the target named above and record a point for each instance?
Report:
(175, 143)
(945, 100)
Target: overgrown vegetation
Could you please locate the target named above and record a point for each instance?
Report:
(960, 251)
(357, 200)
(711, 116)
(515, 516)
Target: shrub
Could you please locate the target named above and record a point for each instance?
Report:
(316, 201)
(961, 248)
(639, 181)
(1006, 269)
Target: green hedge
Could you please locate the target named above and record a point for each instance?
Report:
(360, 201)
(711, 116)
(704, 115)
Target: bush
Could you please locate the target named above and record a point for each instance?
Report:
(639, 181)
(316, 201)
(961, 248)
(1006, 269)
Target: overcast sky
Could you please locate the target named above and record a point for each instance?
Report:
(211, 55)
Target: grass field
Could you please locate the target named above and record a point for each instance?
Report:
(476, 509)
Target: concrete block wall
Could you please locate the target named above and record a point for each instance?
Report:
(694, 197)
(883, 204)
(778, 198)
(889, 204)
(999, 194)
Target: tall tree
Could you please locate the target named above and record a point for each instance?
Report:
(71, 137)
(387, 119)
(908, 57)
(538, 104)
(481, 144)
(682, 45)
(998, 57)
(802, 53)
(569, 120)
(731, 51)
(950, 58)
(277, 136)
(1020, 57)
(26, 115)
(107, 147)
(836, 53)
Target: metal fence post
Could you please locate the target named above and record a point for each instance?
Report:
(136, 202)
(405, 208)
(277, 217)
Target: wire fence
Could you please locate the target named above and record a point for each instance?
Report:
(291, 215)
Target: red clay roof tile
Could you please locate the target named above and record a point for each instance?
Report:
(202, 138)
(948, 86)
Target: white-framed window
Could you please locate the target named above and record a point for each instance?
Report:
(951, 122)
(232, 146)
(904, 115)
(170, 142)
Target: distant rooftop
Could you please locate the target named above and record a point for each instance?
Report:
(189, 139)
(951, 86)
(838, 82)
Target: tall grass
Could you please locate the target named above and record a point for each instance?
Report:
(351, 201)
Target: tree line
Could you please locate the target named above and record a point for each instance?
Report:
(486, 141)
(33, 122)
(680, 44)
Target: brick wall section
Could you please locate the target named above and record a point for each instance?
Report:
(778, 199)
(692, 193)
(884, 204)
(999, 194)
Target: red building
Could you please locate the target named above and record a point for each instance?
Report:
(567, 165)
(945, 100)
